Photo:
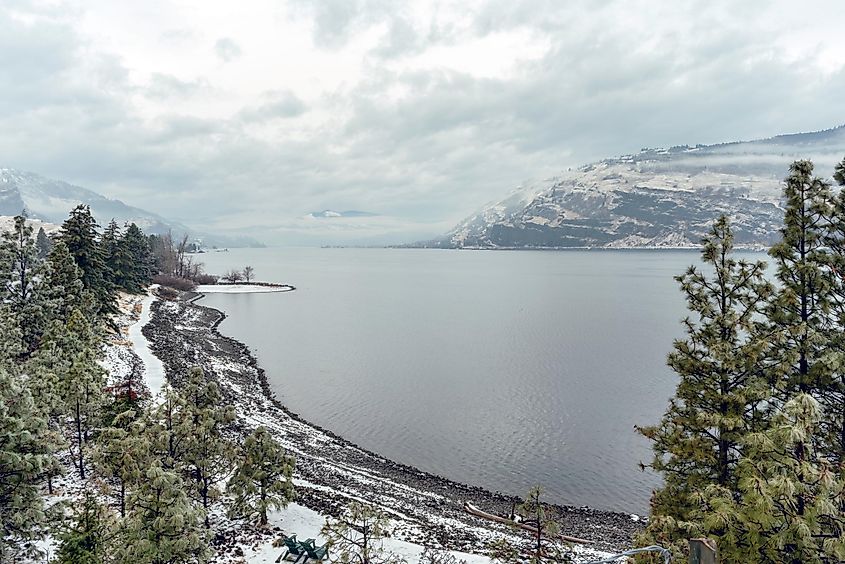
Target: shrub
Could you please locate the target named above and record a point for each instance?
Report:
(174, 282)
(205, 279)
(233, 276)
(167, 293)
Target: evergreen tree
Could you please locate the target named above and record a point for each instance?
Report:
(720, 364)
(762, 522)
(123, 453)
(116, 257)
(358, 536)
(11, 342)
(86, 537)
(834, 396)
(79, 233)
(138, 248)
(801, 307)
(63, 290)
(263, 478)
(25, 456)
(168, 430)
(536, 514)
(208, 456)
(69, 374)
(803, 312)
(84, 383)
(161, 525)
(129, 393)
(43, 244)
(21, 273)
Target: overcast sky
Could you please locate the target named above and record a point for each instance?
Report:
(253, 114)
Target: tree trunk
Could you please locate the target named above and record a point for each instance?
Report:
(122, 499)
(204, 493)
(79, 439)
(263, 495)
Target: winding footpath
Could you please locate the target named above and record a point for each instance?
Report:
(153, 368)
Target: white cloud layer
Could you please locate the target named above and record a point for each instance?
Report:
(251, 115)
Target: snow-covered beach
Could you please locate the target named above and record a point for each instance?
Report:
(242, 288)
(173, 335)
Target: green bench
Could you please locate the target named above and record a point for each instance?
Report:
(314, 552)
(307, 548)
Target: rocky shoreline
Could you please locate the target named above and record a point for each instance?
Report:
(331, 471)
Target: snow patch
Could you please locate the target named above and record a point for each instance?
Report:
(306, 523)
(239, 289)
(154, 373)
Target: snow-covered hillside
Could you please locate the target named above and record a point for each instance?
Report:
(50, 200)
(7, 223)
(655, 198)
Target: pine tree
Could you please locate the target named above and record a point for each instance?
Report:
(25, 456)
(123, 453)
(536, 514)
(720, 364)
(137, 246)
(43, 244)
(63, 289)
(85, 538)
(208, 456)
(263, 478)
(801, 307)
(21, 273)
(161, 525)
(84, 383)
(118, 271)
(834, 396)
(79, 233)
(358, 536)
(168, 430)
(761, 521)
(41, 387)
(802, 311)
(128, 393)
(11, 341)
(71, 379)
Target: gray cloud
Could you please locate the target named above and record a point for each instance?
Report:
(227, 49)
(168, 86)
(177, 36)
(276, 104)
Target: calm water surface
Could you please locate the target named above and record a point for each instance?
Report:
(500, 369)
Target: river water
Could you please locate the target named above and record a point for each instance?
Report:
(499, 369)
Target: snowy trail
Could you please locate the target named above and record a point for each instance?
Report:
(153, 367)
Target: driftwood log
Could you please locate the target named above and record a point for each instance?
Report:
(472, 510)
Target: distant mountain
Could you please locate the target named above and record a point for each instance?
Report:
(655, 198)
(51, 200)
(328, 214)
